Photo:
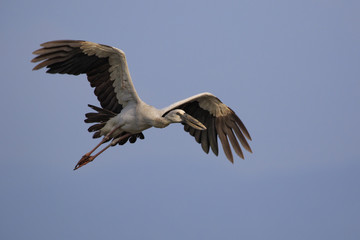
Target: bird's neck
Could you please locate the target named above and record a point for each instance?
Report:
(160, 122)
(153, 116)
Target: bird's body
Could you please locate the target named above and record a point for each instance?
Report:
(129, 119)
(123, 116)
(135, 118)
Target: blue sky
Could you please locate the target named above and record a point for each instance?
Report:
(289, 69)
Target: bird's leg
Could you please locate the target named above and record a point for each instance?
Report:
(106, 138)
(88, 158)
(113, 143)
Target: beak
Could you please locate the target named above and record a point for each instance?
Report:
(192, 122)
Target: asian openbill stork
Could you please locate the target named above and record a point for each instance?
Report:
(123, 116)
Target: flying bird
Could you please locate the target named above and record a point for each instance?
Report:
(123, 116)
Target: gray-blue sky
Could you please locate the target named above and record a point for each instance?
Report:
(290, 69)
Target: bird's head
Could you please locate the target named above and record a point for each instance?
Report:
(180, 116)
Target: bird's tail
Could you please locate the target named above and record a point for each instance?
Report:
(100, 117)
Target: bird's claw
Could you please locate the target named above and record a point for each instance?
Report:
(83, 161)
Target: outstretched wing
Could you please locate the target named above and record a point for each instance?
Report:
(219, 120)
(106, 69)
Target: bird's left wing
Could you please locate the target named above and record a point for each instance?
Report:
(219, 120)
(106, 69)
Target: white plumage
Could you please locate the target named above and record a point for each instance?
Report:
(123, 116)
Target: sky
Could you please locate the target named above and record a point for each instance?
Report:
(289, 69)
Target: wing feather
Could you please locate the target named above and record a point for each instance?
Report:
(235, 144)
(223, 139)
(240, 136)
(205, 141)
(211, 129)
(242, 126)
(197, 136)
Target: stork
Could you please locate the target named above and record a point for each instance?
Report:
(123, 116)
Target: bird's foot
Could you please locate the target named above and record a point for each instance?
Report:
(84, 160)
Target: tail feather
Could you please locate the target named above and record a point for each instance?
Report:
(100, 117)
(97, 134)
(96, 127)
(97, 117)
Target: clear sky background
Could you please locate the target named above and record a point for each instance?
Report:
(289, 69)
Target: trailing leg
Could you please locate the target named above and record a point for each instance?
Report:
(88, 158)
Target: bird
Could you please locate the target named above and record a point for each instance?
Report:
(123, 116)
